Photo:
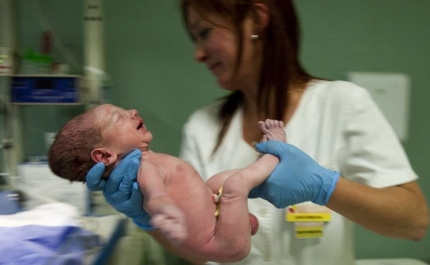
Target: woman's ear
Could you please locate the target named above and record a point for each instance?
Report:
(262, 15)
(104, 155)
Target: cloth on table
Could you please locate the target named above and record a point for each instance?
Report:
(47, 234)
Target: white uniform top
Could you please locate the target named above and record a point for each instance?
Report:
(337, 124)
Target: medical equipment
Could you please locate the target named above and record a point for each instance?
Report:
(10, 201)
(55, 233)
(27, 89)
(6, 62)
(37, 181)
(398, 261)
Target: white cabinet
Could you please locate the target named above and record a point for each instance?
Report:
(391, 93)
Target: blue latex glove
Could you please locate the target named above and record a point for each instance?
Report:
(297, 178)
(121, 190)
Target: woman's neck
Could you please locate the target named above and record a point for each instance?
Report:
(251, 113)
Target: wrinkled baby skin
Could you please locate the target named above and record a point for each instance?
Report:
(192, 226)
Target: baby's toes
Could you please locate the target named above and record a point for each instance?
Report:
(262, 126)
(271, 124)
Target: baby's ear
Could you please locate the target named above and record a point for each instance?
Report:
(104, 155)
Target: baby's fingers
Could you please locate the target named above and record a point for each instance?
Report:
(173, 229)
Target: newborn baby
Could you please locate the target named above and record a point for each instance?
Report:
(179, 202)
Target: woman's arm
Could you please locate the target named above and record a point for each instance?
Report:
(399, 211)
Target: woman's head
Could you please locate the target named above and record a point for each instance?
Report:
(270, 59)
(270, 64)
(223, 43)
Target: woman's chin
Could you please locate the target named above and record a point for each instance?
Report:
(226, 85)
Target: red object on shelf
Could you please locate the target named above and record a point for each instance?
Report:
(46, 42)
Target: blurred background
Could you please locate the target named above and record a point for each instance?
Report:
(148, 65)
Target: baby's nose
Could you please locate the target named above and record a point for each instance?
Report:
(133, 113)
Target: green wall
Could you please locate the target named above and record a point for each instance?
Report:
(378, 36)
(150, 61)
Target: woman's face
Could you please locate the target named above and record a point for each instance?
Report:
(216, 46)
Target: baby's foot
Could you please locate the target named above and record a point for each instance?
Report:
(273, 130)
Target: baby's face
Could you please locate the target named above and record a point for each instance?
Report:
(123, 130)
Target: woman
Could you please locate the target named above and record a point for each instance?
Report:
(252, 47)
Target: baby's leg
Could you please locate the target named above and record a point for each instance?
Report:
(273, 130)
(257, 172)
(217, 181)
(233, 229)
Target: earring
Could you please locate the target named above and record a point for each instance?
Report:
(254, 37)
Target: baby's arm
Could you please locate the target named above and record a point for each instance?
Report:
(165, 215)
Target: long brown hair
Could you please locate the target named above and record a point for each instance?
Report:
(280, 67)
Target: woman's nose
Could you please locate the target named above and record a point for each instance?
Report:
(200, 54)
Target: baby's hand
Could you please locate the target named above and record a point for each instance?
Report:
(171, 222)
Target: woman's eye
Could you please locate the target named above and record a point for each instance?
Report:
(203, 34)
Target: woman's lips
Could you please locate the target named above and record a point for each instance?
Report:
(213, 67)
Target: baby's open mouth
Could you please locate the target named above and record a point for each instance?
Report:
(140, 125)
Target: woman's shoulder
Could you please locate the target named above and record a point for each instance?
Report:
(336, 100)
(338, 88)
(338, 94)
